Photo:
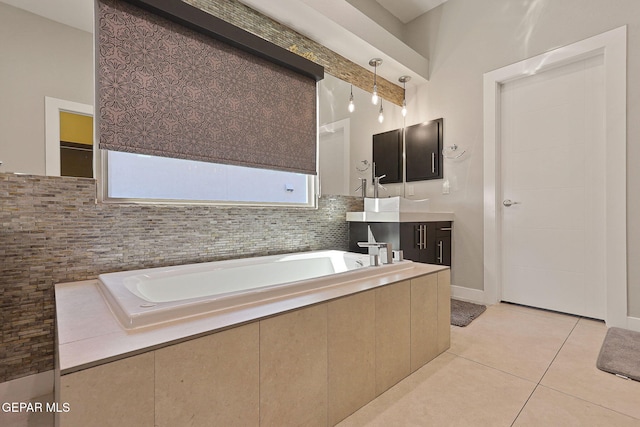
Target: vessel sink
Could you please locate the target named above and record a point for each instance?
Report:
(395, 204)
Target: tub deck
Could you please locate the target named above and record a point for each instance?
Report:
(88, 333)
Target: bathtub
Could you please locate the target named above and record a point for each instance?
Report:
(147, 297)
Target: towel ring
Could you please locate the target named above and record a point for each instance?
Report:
(447, 152)
(366, 166)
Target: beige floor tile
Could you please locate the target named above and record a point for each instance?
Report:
(574, 372)
(448, 391)
(548, 407)
(513, 340)
(536, 311)
(593, 323)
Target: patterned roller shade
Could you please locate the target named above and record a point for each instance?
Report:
(167, 90)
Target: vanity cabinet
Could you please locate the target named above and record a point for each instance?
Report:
(387, 155)
(418, 241)
(443, 243)
(423, 148)
(426, 242)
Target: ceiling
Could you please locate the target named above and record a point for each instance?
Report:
(408, 10)
(79, 13)
(339, 26)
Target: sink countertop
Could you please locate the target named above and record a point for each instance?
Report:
(399, 216)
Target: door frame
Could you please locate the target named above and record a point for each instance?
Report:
(613, 44)
(52, 109)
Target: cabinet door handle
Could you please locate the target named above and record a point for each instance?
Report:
(418, 240)
(424, 238)
(433, 162)
(446, 229)
(440, 257)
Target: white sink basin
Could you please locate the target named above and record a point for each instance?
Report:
(395, 204)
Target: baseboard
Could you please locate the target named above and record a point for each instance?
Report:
(26, 388)
(633, 323)
(467, 294)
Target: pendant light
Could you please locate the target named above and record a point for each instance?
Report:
(352, 106)
(381, 115)
(404, 80)
(375, 63)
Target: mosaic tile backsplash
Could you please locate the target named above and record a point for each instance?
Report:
(52, 231)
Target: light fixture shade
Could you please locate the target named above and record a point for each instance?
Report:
(375, 63)
(381, 114)
(404, 80)
(352, 106)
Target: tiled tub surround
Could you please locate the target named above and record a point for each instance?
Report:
(52, 231)
(306, 360)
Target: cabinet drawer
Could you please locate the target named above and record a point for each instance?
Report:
(443, 228)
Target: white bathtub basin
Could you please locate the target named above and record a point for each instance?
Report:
(146, 297)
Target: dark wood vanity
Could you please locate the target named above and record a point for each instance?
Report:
(428, 242)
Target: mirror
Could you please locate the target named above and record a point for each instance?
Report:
(55, 61)
(43, 58)
(345, 138)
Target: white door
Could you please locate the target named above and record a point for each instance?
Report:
(553, 189)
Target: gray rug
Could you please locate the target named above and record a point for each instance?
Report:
(620, 353)
(462, 312)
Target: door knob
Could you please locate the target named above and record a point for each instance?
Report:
(508, 203)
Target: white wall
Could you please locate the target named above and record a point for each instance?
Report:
(38, 58)
(382, 16)
(464, 39)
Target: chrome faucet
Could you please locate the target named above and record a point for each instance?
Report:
(383, 251)
(363, 187)
(376, 181)
(377, 185)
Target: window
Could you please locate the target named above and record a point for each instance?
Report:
(143, 178)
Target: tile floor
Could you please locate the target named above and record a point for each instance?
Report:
(513, 366)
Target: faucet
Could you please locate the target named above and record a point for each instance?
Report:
(377, 185)
(363, 187)
(376, 181)
(384, 251)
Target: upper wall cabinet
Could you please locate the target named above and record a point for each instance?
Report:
(387, 155)
(423, 148)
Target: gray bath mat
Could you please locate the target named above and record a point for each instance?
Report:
(620, 353)
(462, 312)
